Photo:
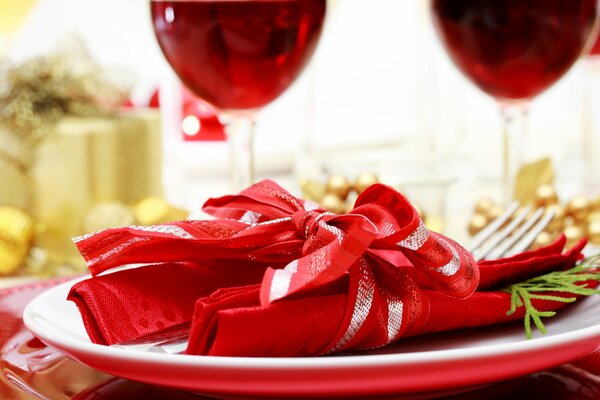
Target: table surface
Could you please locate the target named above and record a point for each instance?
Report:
(30, 370)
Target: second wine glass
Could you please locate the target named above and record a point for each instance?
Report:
(513, 50)
(238, 55)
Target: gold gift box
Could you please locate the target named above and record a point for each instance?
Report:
(95, 160)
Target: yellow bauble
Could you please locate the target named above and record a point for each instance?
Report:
(16, 232)
(558, 221)
(338, 185)
(493, 212)
(477, 223)
(155, 210)
(596, 204)
(364, 180)
(543, 239)
(545, 196)
(573, 233)
(483, 206)
(312, 190)
(333, 203)
(593, 232)
(578, 208)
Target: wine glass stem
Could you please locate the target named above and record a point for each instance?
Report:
(514, 121)
(240, 135)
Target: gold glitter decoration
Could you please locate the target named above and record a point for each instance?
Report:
(16, 232)
(40, 91)
(364, 180)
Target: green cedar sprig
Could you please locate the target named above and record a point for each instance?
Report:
(522, 293)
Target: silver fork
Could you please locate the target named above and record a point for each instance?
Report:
(502, 239)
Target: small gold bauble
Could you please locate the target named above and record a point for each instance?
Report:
(16, 232)
(545, 196)
(312, 189)
(364, 180)
(593, 232)
(543, 239)
(558, 221)
(338, 185)
(483, 205)
(155, 210)
(493, 212)
(108, 215)
(595, 216)
(578, 208)
(477, 223)
(596, 204)
(333, 203)
(573, 233)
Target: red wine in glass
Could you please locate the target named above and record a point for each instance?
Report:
(238, 54)
(514, 49)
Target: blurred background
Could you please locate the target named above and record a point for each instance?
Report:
(380, 97)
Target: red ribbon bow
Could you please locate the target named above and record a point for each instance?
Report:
(305, 250)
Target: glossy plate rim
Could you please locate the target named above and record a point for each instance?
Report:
(587, 339)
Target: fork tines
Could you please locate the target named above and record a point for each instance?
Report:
(511, 233)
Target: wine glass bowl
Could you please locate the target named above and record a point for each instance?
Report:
(238, 55)
(511, 49)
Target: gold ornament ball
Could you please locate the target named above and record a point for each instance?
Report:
(558, 220)
(333, 203)
(578, 208)
(483, 206)
(312, 189)
(593, 232)
(493, 212)
(574, 234)
(477, 223)
(595, 216)
(545, 196)
(364, 180)
(543, 239)
(338, 185)
(16, 233)
(596, 204)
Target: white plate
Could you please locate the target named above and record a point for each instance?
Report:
(431, 364)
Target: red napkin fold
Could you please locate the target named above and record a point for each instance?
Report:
(276, 276)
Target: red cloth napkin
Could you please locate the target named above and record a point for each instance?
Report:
(319, 282)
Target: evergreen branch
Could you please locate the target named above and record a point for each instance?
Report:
(522, 293)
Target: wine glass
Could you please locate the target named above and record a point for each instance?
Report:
(513, 50)
(238, 55)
